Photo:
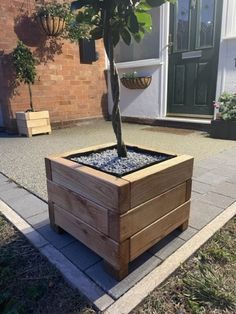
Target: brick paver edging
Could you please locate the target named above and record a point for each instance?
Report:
(136, 294)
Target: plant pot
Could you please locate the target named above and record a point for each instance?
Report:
(136, 82)
(31, 123)
(223, 129)
(118, 218)
(51, 25)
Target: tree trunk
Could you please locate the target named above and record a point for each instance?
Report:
(31, 99)
(115, 86)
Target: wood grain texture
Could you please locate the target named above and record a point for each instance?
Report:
(83, 150)
(152, 234)
(41, 129)
(125, 226)
(31, 123)
(114, 253)
(89, 212)
(152, 181)
(48, 168)
(101, 188)
(188, 189)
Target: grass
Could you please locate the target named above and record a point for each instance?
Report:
(29, 283)
(204, 284)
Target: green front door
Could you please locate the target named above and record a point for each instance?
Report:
(193, 56)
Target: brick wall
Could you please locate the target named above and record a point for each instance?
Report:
(68, 89)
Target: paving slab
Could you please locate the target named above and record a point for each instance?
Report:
(39, 220)
(188, 234)
(226, 189)
(77, 278)
(211, 178)
(28, 205)
(200, 187)
(57, 240)
(202, 213)
(167, 246)
(80, 255)
(217, 200)
(11, 193)
(3, 179)
(137, 270)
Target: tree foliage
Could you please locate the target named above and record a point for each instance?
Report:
(113, 20)
(25, 67)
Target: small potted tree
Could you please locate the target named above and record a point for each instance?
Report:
(30, 122)
(118, 200)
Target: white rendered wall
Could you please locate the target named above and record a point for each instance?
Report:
(151, 102)
(226, 80)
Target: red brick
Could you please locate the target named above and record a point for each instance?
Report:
(68, 89)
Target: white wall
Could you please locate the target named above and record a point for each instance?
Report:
(141, 103)
(150, 102)
(227, 66)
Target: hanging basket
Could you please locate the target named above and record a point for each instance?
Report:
(141, 82)
(51, 25)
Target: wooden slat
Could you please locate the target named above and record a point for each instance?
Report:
(38, 115)
(41, 129)
(32, 115)
(188, 189)
(32, 123)
(82, 150)
(89, 212)
(153, 181)
(153, 149)
(147, 237)
(101, 188)
(48, 168)
(123, 227)
(112, 252)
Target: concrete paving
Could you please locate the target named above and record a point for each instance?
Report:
(214, 189)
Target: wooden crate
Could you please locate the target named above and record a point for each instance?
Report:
(31, 123)
(118, 218)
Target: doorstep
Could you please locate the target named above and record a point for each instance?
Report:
(214, 192)
(173, 122)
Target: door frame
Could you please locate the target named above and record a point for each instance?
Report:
(164, 56)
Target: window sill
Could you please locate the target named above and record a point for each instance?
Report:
(139, 63)
(232, 37)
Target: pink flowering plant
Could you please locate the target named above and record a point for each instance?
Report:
(226, 106)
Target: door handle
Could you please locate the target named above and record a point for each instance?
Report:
(170, 44)
(193, 4)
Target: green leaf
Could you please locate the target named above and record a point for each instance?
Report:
(143, 6)
(75, 5)
(145, 19)
(133, 23)
(97, 33)
(155, 3)
(126, 36)
(116, 36)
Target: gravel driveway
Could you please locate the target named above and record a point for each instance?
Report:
(22, 159)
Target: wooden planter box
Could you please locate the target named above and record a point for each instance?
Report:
(31, 123)
(118, 218)
(223, 129)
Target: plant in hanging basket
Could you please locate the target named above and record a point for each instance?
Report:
(53, 17)
(133, 81)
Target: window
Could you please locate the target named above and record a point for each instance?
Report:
(148, 48)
